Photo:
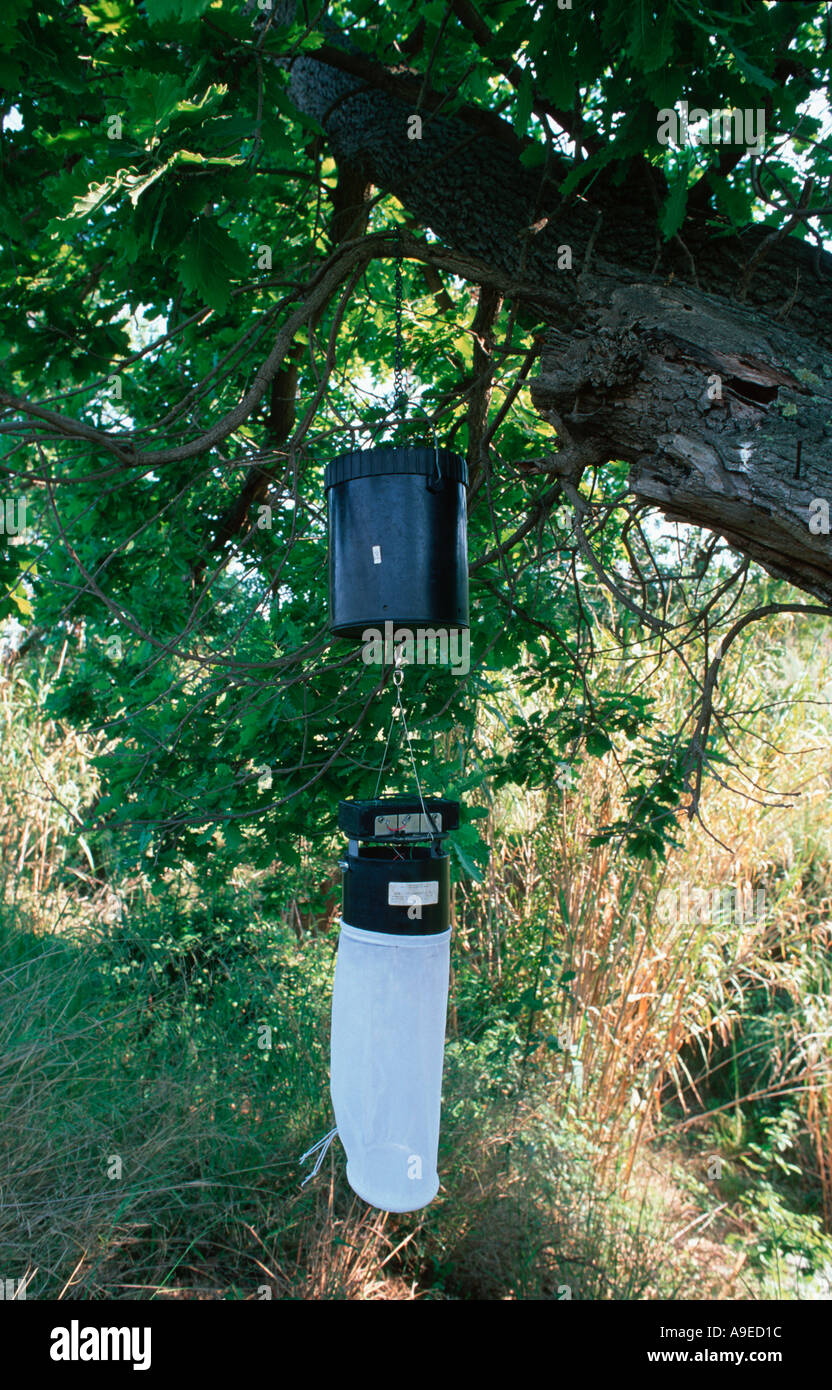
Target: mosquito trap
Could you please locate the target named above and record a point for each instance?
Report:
(390, 997)
(397, 554)
(397, 526)
(398, 548)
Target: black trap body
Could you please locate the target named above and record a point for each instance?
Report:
(396, 875)
(398, 540)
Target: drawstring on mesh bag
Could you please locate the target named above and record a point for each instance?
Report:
(321, 1148)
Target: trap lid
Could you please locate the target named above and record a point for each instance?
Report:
(370, 463)
(398, 818)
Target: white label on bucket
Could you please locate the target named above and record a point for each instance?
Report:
(376, 554)
(404, 894)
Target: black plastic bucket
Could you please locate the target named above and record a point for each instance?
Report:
(398, 884)
(382, 882)
(398, 539)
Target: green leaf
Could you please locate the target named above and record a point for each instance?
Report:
(673, 212)
(733, 199)
(167, 11)
(523, 104)
(210, 261)
(748, 68)
(657, 44)
(533, 157)
(468, 865)
(108, 16)
(19, 598)
(597, 742)
(558, 76)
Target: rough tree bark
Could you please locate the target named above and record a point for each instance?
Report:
(638, 329)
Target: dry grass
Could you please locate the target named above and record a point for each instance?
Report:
(654, 1000)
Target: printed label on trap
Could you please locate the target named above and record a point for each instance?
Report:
(411, 823)
(405, 894)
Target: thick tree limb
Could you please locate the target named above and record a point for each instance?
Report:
(631, 348)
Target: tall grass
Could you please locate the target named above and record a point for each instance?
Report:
(627, 1008)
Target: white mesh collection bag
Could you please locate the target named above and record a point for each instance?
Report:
(389, 1006)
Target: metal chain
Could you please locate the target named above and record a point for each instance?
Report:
(412, 759)
(399, 393)
(398, 681)
(384, 755)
